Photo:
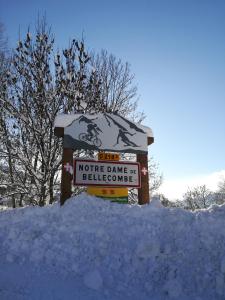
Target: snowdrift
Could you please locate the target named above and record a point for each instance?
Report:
(94, 249)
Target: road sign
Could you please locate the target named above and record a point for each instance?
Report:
(103, 173)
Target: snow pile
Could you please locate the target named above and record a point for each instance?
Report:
(94, 249)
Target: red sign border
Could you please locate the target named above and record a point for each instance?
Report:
(107, 162)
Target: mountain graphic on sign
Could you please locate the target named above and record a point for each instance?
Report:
(85, 119)
(107, 116)
(132, 125)
(106, 132)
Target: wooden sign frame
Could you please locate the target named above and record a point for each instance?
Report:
(67, 172)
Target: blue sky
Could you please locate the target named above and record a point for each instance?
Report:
(176, 50)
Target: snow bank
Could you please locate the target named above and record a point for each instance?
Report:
(94, 249)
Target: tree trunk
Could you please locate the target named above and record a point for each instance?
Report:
(21, 201)
(10, 163)
(51, 192)
(42, 200)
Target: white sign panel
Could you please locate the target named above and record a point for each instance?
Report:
(106, 132)
(90, 172)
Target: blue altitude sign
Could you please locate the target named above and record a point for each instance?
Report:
(106, 132)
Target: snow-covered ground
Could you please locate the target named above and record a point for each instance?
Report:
(94, 249)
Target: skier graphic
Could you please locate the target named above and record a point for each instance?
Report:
(122, 135)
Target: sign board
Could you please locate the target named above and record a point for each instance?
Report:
(105, 132)
(103, 173)
(108, 156)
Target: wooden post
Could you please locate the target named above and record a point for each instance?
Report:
(67, 169)
(67, 175)
(143, 192)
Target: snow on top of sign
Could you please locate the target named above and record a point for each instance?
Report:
(148, 130)
(64, 120)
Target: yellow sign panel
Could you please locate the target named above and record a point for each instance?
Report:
(108, 156)
(107, 192)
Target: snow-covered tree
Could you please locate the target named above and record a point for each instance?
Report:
(118, 90)
(155, 177)
(219, 195)
(197, 198)
(40, 86)
(31, 108)
(41, 83)
(168, 203)
(221, 185)
(6, 159)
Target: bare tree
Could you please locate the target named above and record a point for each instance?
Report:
(6, 158)
(155, 178)
(219, 195)
(31, 113)
(41, 84)
(221, 185)
(168, 203)
(197, 198)
(118, 91)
